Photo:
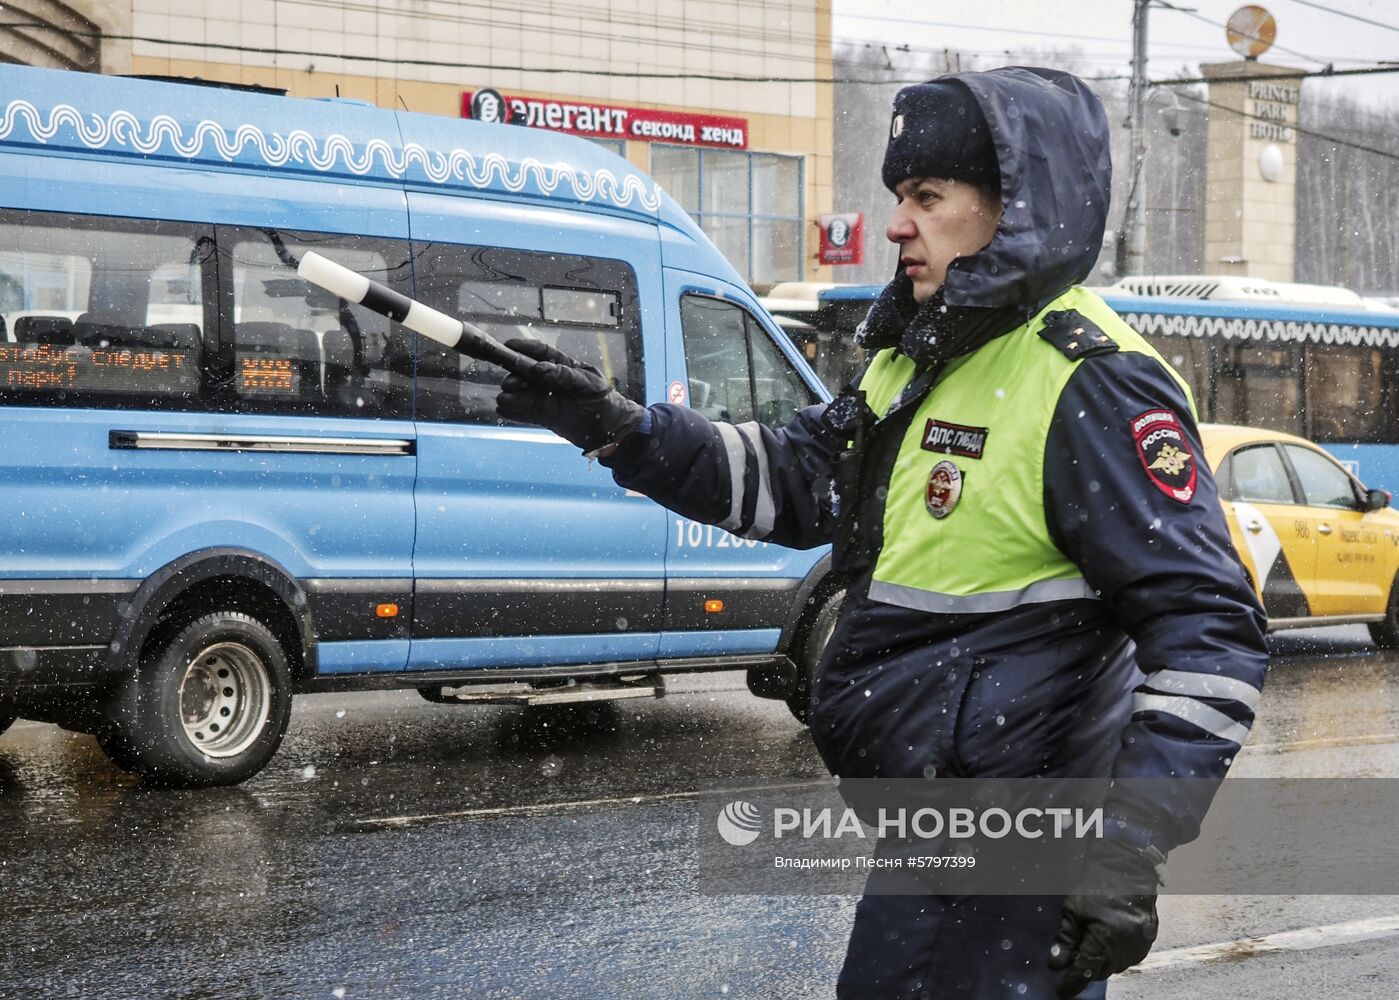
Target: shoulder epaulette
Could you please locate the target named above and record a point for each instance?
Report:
(1076, 335)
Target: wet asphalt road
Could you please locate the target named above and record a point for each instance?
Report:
(396, 848)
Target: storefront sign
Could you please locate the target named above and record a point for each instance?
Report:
(606, 121)
(1274, 110)
(842, 238)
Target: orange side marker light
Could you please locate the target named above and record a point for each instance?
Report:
(713, 607)
(386, 610)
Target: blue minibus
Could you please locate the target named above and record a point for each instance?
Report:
(223, 486)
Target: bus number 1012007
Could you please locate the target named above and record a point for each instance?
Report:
(693, 535)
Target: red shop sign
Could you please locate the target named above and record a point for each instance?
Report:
(606, 121)
(842, 238)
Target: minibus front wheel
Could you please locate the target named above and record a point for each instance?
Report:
(812, 645)
(208, 705)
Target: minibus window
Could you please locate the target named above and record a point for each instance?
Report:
(736, 372)
(566, 305)
(293, 348)
(778, 391)
(716, 357)
(582, 306)
(499, 298)
(101, 312)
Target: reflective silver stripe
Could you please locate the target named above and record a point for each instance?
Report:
(765, 511)
(1213, 722)
(996, 600)
(738, 461)
(1204, 686)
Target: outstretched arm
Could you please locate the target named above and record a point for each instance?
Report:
(755, 481)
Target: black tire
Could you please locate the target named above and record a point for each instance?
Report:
(809, 649)
(1386, 633)
(208, 706)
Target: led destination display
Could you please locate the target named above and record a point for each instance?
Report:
(55, 368)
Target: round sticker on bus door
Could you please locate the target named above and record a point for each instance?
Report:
(676, 394)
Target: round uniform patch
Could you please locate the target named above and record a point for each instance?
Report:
(944, 489)
(1165, 454)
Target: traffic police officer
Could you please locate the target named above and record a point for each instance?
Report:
(1040, 581)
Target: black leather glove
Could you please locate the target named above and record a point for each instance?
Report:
(1109, 923)
(572, 399)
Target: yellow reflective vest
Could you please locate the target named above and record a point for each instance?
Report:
(965, 529)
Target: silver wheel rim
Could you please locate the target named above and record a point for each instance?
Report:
(225, 699)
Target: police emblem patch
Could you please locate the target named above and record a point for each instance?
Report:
(944, 489)
(1165, 453)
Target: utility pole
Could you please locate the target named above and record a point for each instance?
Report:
(1132, 240)
(1347, 228)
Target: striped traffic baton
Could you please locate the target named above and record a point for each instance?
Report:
(456, 334)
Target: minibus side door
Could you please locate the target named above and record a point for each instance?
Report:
(727, 595)
(528, 555)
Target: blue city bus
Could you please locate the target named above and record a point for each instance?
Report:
(223, 486)
(1317, 362)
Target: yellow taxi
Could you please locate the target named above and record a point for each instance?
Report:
(1319, 547)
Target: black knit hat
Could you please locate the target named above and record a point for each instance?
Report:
(938, 130)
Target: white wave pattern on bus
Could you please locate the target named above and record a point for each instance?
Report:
(1268, 330)
(122, 129)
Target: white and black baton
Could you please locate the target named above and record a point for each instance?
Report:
(456, 334)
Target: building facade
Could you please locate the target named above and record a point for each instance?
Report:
(1251, 209)
(727, 103)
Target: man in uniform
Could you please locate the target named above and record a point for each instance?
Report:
(1040, 581)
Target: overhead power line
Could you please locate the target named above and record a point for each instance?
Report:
(619, 28)
(637, 74)
(1346, 13)
(517, 15)
(1108, 58)
(492, 67)
(1219, 24)
(920, 22)
(692, 28)
(1299, 75)
(1300, 129)
(599, 36)
(670, 31)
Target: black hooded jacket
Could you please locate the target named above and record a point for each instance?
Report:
(1159, 676)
